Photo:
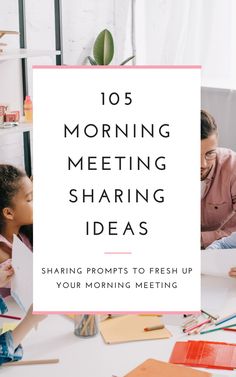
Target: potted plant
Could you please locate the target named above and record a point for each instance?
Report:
(103, 50)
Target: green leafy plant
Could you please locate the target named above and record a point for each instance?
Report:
(103, 50)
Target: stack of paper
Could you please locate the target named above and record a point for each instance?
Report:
(22, 281)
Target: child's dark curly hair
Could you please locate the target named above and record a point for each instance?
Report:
(10, 177)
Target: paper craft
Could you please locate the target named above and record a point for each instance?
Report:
(152, 367)
(202, 354)
(130, 328)
(22, 281)
(7, 326)
(218, 262)
(220, 290)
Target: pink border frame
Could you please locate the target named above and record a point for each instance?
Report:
(117, 67)
(110, 312)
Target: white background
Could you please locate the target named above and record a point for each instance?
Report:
(159, 96)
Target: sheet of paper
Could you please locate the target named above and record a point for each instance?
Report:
(8, 326)
(130, 328)
(217, 290)
(218, 262)
(22, 281)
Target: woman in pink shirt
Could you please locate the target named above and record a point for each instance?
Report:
(218, 181)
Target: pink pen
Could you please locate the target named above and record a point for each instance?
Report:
(198, 325)
(197, 331)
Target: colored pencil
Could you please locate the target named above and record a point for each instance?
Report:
(218, 328)
(31, 362)
(226, 329)
(225, 319)
(9, 316)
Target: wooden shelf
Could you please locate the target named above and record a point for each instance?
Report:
(23, 127)
(25, 53)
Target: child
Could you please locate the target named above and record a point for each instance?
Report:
(16, 210)
(10, 348)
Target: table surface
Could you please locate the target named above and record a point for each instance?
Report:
(92, 357)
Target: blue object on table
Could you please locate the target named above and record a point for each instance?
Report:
(7, 351)
(3, 306)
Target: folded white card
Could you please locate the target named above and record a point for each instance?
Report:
(218, 262)
(22, 281)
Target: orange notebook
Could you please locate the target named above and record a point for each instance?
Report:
(155, 368)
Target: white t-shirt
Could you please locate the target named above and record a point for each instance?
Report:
(203, 188)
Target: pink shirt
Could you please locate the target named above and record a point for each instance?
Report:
(218, 204)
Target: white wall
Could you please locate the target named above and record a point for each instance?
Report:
(10, 71)
(81, 22)
(11, 146)
(221, 103)
(189, 32)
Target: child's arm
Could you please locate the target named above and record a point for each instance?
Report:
(10, 348)
(25, 326)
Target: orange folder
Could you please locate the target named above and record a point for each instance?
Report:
(205, 354)
(155, 368)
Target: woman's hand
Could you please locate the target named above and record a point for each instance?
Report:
(232, 272)
(6, 272)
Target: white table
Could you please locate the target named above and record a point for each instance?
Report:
(92, 357)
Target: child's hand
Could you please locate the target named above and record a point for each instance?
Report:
(232, 272)
(6, 273)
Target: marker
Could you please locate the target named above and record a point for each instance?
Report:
(199, 329)
(189, 322)
(198, 325)
(31, 362)
(209, 315)
(151, 328)
(225, 319)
